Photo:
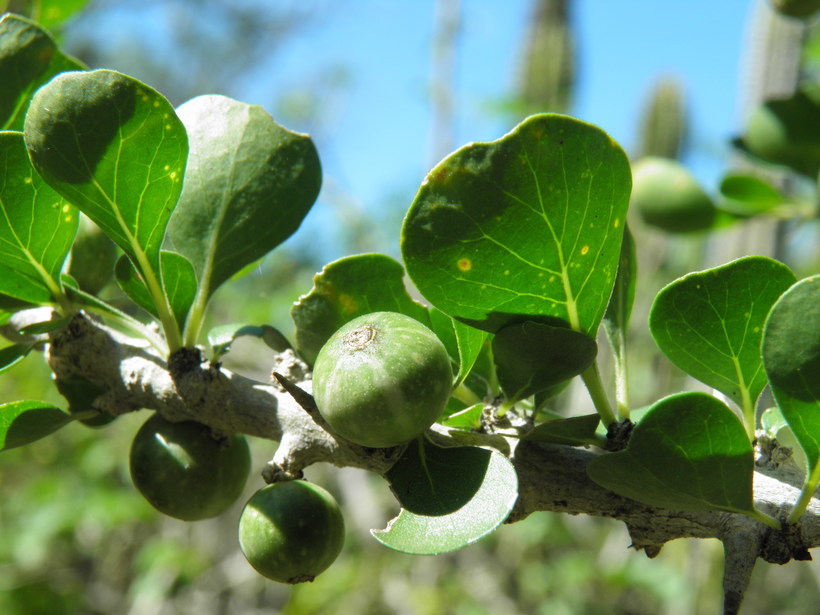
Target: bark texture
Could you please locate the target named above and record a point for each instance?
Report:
(551, 478)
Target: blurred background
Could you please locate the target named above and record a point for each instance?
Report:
(387, 89)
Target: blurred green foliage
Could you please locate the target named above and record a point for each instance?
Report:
(76, 538)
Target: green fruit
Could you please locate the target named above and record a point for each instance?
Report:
(668, 197)
(93, 256)
(290, 532)
(797, 8)
(184, 472)
(786, 131)
(382, 379)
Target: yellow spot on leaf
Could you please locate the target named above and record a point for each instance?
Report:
(347, 303)
(617, 223)
(584, 250)
(66, 208)
(464, 264)
(28, 180)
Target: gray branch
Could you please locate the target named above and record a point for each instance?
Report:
(551, 478)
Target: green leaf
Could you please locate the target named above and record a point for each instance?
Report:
(23, 422)
(463, 342)
(81, 298)
(345, 289)
(130, 282)
(572, 431)
(791, 355)
(36, 227)
(50, 13)
(29, 57)
(93, 256)
(526, 226)
(747, 195)
(9, 305)
(467, 418)
(531, 357)
(46, 326)
(222, 337)
(178, 281)
(81, 394)
(115, 148)
(450, 497)
(710, 324)
(689, 452)
(248, 185)
(12, 355)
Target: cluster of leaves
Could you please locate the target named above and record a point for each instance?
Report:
(520, 247)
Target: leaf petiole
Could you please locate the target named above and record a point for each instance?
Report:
(464, 394)
(166, 317)
(592, 380)
(765, 519)
(806, 495)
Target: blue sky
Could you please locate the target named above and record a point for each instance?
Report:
(380, 139)
(374, 137)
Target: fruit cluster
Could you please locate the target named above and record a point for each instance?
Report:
(381, 380)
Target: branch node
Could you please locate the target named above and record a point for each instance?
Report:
(274, 473)
(184, 360)
(618, 434)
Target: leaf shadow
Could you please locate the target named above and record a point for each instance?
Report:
(438, 481)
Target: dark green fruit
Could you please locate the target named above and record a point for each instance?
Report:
(184, 472)
(797, 8)
(786, 131)
(290, 532)
(668, 197)
(382, 379)
(93, 256)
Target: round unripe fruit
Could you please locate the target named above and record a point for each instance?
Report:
(290, 532)
(786, 131)
(93, 257)
(382, 379)
(668, 197)
(797, 8)
(184, 472)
